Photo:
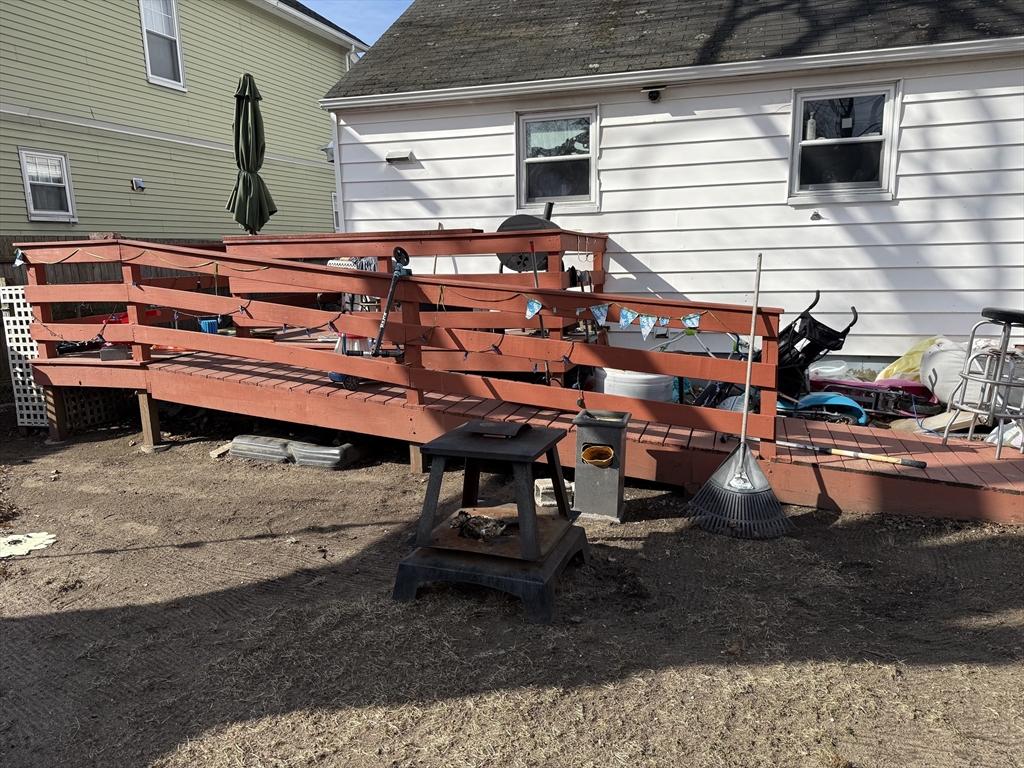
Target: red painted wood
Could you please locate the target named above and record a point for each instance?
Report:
(425, 289)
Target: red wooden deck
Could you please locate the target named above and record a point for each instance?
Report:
(963, 480)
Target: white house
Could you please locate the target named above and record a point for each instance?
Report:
(874, 151)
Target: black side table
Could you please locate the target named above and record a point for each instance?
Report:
(527, 561)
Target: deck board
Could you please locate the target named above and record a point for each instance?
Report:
(962, 480)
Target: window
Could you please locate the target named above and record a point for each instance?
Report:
(842, 144)
(48, 191)
(556, 157)
(162, 43)
(334, 207)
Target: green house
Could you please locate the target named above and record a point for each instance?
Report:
(116, 116)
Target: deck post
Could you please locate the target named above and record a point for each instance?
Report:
(769, 396)
(56, 415)
(132, 275)
(151, 440)
(417, 461)
(53, 397)
(413, 358)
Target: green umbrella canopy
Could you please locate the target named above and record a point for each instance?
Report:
(250, 200)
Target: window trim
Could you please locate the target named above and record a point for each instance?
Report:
(576, 203)
(69, 217)
(154, 79)
(851, 192)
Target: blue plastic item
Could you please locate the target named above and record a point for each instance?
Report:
(830, 402)
(208, 324)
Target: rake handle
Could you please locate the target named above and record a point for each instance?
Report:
(916, 464)
(854, 454)
(750, 350)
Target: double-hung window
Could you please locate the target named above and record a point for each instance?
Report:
(842, 144)
(162, 43)
(557, 157)
(48, 192)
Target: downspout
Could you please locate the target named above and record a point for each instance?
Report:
(341, 225)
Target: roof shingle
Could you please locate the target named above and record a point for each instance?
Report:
(454, 43)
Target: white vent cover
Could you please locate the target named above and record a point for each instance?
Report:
(29, 404)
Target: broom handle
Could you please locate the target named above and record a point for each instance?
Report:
(750, 349)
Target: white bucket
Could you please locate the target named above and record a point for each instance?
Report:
(645, 386)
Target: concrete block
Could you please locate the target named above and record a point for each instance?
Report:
(544, 492)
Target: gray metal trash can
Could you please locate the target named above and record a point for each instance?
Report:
(600, 477)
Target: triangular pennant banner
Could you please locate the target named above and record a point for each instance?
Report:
(647, 324)
(626, 317)
(600, 312)
(19, 257)
(532, 308)
(663, 321)
(692, 321)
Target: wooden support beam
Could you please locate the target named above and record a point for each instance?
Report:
(152, 442)
(418, 463)
(56, 414)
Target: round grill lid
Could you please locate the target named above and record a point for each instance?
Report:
(523, 262)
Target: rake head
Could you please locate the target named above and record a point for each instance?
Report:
(738, 501)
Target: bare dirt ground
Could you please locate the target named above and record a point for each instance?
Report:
(221, 613)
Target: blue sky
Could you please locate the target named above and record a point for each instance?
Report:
(366, 19)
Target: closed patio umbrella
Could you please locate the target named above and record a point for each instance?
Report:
(250, 200)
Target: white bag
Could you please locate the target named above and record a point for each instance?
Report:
(941, 365)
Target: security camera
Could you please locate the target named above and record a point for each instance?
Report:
(653, 93)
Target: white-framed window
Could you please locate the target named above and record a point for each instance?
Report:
(843, 144)
(49, 195)
(334, 208)
(557, 154)
(161, 42)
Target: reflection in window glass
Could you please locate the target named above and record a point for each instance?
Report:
(843, 118)
(558, 138)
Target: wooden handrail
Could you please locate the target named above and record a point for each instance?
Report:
(416, 330)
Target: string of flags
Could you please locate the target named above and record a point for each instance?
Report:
(627, 316)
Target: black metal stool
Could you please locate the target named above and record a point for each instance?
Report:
(998, 376)
(525, 563)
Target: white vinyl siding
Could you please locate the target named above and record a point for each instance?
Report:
(161, 41)
(47, 179)
(692, 187)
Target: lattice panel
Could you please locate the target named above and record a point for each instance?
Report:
(29, 404)
(89, 408)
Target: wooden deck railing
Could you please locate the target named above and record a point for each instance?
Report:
(460, 322)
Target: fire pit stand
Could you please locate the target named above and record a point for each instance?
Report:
(531, 550)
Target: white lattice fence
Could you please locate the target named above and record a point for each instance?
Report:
(29, 404)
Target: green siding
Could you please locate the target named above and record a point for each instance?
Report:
(83, 59)
(186, 187)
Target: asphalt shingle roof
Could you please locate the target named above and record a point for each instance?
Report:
(453, 43)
